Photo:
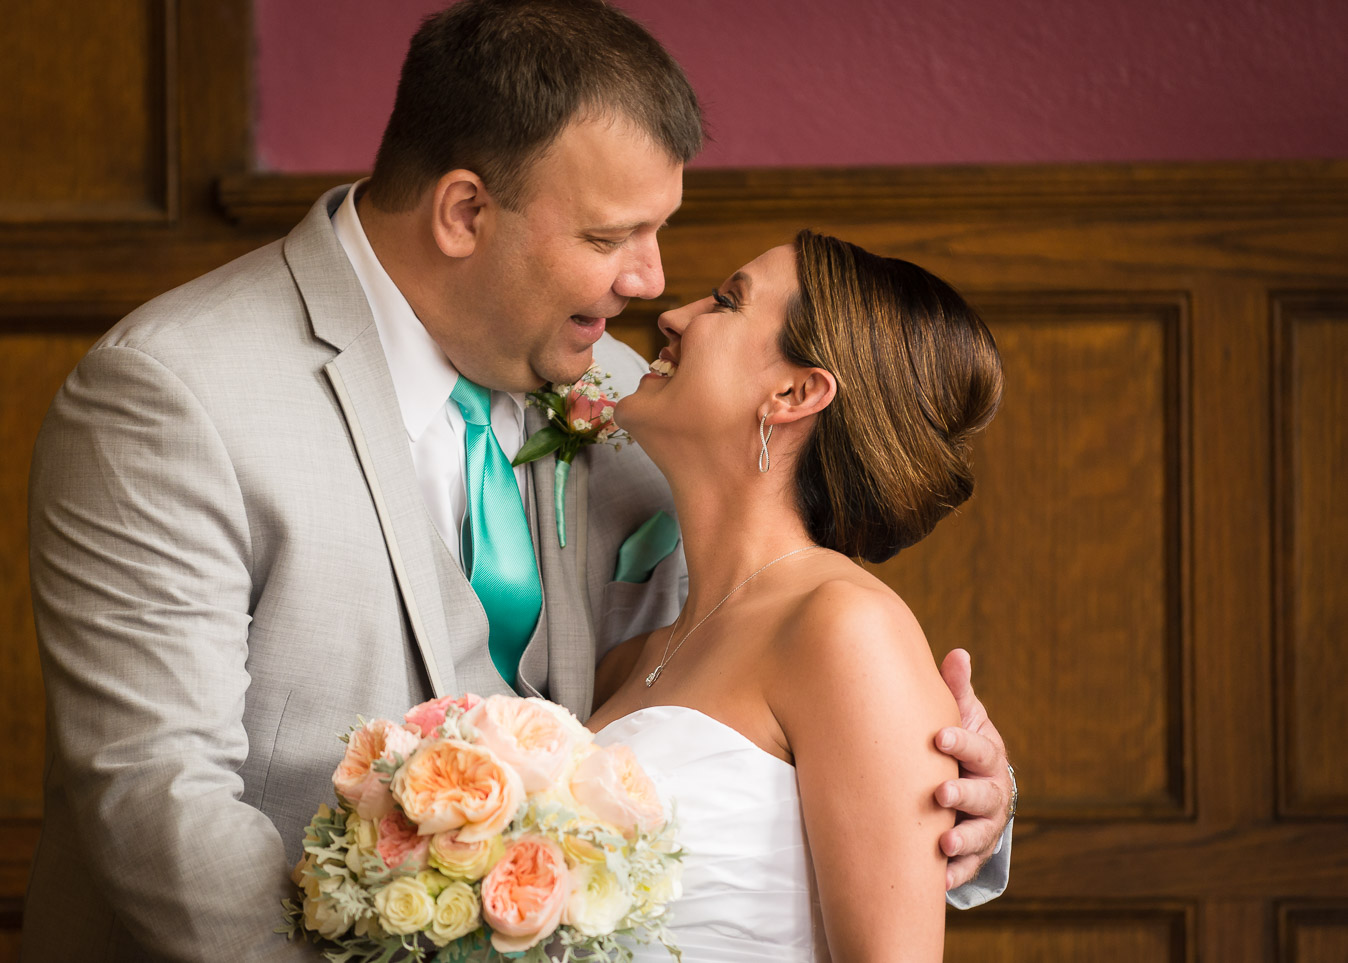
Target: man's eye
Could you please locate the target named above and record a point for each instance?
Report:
(606, 243)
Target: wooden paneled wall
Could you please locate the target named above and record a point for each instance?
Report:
(1150, 575)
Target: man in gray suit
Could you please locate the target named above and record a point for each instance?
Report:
(248, 501)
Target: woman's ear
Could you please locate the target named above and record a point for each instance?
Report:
(456, 212)
(809, 392)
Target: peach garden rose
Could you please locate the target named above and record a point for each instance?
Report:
(525, 893)
(356, 780)
(612, 785)
(527, 735)
(452, 784)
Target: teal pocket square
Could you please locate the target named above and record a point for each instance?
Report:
(646, 548)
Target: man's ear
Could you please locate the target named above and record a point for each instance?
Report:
(807, 392)
(456, 212)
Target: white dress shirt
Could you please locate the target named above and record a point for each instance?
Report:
(423, 378)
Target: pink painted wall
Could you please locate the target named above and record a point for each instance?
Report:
(847, 82)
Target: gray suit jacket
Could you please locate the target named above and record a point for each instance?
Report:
(231, 558)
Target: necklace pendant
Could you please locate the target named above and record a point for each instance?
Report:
(650, 679)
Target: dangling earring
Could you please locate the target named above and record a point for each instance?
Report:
(764, 462)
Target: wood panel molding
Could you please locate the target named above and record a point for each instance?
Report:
(1011, 931)
(1312, 932)
(712, 196)
(1310, 342)
(78, 165)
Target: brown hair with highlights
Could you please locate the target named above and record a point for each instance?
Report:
(918, 374)
(488, 85)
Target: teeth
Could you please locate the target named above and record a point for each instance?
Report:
(663, 368)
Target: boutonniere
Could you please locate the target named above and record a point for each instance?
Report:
(579, 414)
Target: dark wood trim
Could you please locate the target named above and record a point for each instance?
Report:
(11, 915)
(1236, 189)
(1293, 915)
(1179, 917)
(1288, 309)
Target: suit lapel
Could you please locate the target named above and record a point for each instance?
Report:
(567, 651)
(447, 622)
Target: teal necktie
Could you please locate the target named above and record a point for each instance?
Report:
(498, 552)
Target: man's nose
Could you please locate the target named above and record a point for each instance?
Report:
(642, 276)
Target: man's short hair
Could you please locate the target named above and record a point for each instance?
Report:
(488, 85)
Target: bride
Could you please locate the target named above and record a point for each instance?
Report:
(816, 408)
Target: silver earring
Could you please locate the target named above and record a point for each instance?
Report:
(764, 462)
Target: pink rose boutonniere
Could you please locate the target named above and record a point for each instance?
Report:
(579, 414)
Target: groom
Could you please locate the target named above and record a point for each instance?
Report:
(248, 502)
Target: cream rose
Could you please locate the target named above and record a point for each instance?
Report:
(611, 784)
(457, 913)
(434, 881)
(581, 850)
(355, 777)
(325, 915)
(362, 842)
(470, 861)
(454, 785)
(532, 736)
(404, 906)
(598, 901)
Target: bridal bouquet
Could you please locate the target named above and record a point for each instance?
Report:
(478, 829)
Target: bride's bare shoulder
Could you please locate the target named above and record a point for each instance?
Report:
(848, 631)
(853, 610)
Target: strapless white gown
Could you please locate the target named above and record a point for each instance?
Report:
(748, 887)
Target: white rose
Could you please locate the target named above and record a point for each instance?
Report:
(597, 902)
(325, 914)
(457, 913)
(404, 906)
(655, 895)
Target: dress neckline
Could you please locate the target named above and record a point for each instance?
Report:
(667, 709)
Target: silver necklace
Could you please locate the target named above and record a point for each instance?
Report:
(664, 659)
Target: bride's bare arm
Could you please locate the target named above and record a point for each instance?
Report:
(860, 700)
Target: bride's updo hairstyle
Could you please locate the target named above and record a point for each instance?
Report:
(918, 373)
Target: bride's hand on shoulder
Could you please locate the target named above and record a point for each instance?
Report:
(860, 700)
(981, 796)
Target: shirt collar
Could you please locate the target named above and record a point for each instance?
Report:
(422, 375)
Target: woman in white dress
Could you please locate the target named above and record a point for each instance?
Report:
(815, 408)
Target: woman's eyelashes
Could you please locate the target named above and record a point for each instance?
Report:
(723, 300)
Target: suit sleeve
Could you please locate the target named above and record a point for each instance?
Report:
(141, 576)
